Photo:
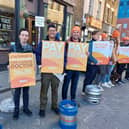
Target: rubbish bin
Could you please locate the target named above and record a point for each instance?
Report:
(68, 114)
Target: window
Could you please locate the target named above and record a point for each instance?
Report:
(112, 18)
(52, 5)
(99, 11)
(108, 15)
(125, 26)
(123, 34)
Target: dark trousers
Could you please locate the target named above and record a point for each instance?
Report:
(120, 69)
(17, 94)
(48, 79)
(90, 75)
(72, 76)
(127, 72)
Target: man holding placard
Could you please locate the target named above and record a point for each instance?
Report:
(47, 54)
(19, 48)
(76, 61)
(92, 67)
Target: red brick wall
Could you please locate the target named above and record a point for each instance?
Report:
(121, 29)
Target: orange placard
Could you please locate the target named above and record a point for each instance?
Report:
(101, 52)
(22, 69)
(123, 56)
(52, 57)
(77, 56)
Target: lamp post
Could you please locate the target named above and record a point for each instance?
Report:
(17, 19)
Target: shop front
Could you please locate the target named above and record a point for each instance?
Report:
(6, 28)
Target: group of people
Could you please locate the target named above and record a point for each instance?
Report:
(97, 74)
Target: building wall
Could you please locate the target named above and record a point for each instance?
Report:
(124, 28)
(7, 3)
(55, 12)
(78, 12)
(123, 18)
(68, 2)
(86, 7)
(96, 11)
(31, 6)
(110, 12)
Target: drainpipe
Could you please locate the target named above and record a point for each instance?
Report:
(17, 20)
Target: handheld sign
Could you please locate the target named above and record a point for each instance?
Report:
(102, 52)
(77, 56)
(123, 56)
(21, 69)
(52, 57)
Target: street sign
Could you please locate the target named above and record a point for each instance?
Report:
(39, 21)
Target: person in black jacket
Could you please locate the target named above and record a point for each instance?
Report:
(92, 67)
(22, 47)
(48, 78)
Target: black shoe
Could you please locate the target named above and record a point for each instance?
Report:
(16, 115)
(55, 110)
(42, 113)
(27, 112)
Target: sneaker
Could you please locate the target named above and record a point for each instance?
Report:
(42, 113)
(105, 85)
(111, 84)
(16, 115)
(55, 110)
(83, 93)
(27, 112)
(100, 87)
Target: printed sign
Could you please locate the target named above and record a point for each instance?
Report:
(52, 57)
(39, 21)
(77, 56)
(123, 56)
(102, 52)
(22, 69)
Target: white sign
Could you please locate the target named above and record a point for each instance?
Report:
(39, 21)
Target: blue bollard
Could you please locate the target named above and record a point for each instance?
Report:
(68, 114)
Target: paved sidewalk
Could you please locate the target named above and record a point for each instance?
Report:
(111, 113)
(4, 80)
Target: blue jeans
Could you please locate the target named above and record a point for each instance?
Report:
(72, 76)
(102, 71)
(108, 75)
(90, 75)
